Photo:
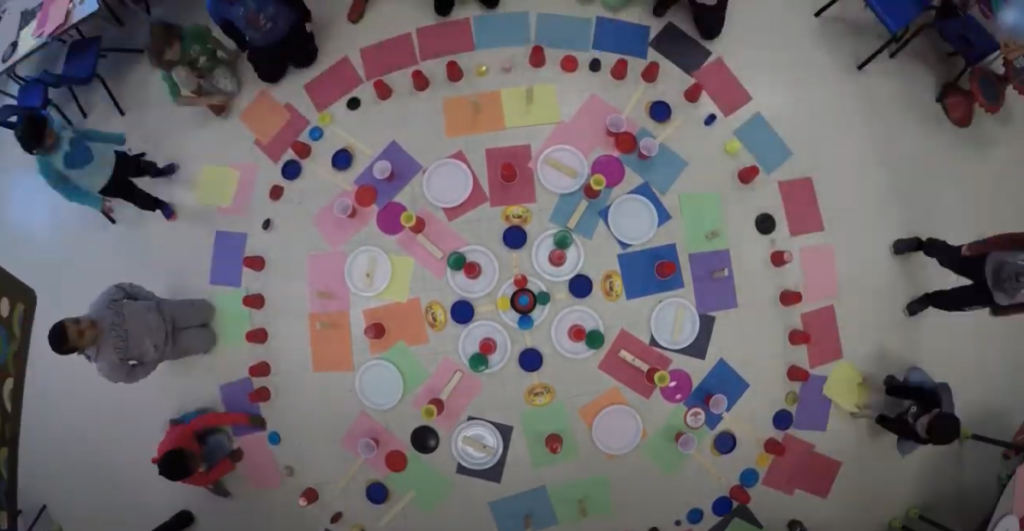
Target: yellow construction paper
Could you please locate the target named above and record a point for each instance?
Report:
(542, 110)
(401, 278)
(843, 386)
(216, 186)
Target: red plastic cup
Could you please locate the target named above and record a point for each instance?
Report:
(739, 495)
(557, 258)
(774, 447)
(679, 435)
(257, 336)
(509, 173)
(577, 333)
(625, 143)
(693, 92)
(553, 442)
(487, 346)
(665, 269)
(781, 258)
(255, 263)
(472, 270)
(418, 226)
(795, 373)
(799, 337)
(309, 497)
(254, 301)
(375, 331)
(259, 370)
(260, 395)
(520, 281)
(590, 193)
(789, 297)
(747, 174)
(366, 196)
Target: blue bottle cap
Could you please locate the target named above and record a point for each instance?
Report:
(722, 506)
(580, 286)
(514, 237)
(694, 516)
(525, 322)
(462, 312)
(291, 170)
(342, 159)
(659, 111)
(710, 119)
(377, 493)
(725, 442)
(531, 360)
(274, 438)
(749, 478)
(316, 133)
(782, 419)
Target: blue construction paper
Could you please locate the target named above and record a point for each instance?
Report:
(587, 224)
(235, 398)
(643, 190)
(508, 512)
(621, 37)
(637, 270)
(226, 263)
(501, 30)
(767, 147)
(722, 379)
(564, 32)
(661, 170)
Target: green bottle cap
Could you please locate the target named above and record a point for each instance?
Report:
(456, 261)
(563, 239)
(543, 298)
(478, 362)
(595, 339)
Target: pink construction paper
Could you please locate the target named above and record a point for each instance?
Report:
(282, 142)
(722, 87)
(388, 56)
(243, 194)
(782, 470)
(586, 130)
(338, 231)
(800, 202)
(51, 16)
(445, 38)
(816, 474)
(825, 346)
(326, 272)
(458, 401)
(1018, 491)
(366, 427)
(477, 196)
(818, 267)
(521, 192)
(626, 374)
(440, 234)
(334, 83)
(259, 466)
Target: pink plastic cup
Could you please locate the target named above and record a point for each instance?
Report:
(615, 124)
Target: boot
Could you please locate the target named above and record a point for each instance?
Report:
(443, 8)
(709, 17)
(490, 4)
(661, 7)
(917, 306)
(907, 245)
(181, 521)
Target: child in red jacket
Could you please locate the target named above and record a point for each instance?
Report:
(195, 451)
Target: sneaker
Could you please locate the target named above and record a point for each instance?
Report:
(165, 171)
(957, 104)
(907, 245)
(661, 7)
(916, 306)
(443, 8)
(357, 10)
(490, 4)
(709, 17)
(890, 381)
(168, 211)
(182, 519)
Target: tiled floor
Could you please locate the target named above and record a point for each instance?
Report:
(885, 163)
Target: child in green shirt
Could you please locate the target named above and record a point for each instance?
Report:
(197, 67)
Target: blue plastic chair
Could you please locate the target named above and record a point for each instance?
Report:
(896, 16)
(8, 116)
(80, 68)
(969, 39)
(35, 95)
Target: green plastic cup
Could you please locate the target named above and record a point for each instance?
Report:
(478, 362)
(563, 239)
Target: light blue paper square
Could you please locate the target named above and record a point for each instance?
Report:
(508, 512)
(566, 205)
(564, 32)
(643, 190)
(764, 144)
(661, 170)
(501, 30)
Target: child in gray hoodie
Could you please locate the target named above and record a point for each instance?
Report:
(129, 331)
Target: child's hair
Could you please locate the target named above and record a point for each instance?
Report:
(943, 428)
(31, 131)
(175, 465)
(59, 340)
(162, 35)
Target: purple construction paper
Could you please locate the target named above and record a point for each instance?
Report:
(235, 398)
(403, 168)
(226, 263)
(813, 408)
(712, 294)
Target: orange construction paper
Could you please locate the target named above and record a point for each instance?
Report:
(264, 116)
(331, 342)
(403, 321)
(462, 119)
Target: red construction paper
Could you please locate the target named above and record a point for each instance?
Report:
(782, 470)
(388, 56)
(476, 197)
(626, 374)
(722, 86)
(816, 474)
(825, 346)
(521, 192)
(334, 83)
(282, 141)
(445, 38)
(801, 205)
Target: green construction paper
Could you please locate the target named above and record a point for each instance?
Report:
(413, 371)
(701, 214)
(661, 448)
(738, 524)
(231, 321)
(596, 493)
(537, 423)
(432, 487)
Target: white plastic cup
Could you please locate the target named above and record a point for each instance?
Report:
(615, 124)
(382, 170)
(648, 148)
(717, 404)
(367, 448)
(343, 208)
(687, 443)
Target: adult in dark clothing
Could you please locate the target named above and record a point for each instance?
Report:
(273, 34)
(181, 521)
(443, 8)
(708, 15)
(923, 421)
(995, 267)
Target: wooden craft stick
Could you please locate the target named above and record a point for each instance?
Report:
(351, 140)
(475, 104)
(712, 234)
(324, 325)
(720, 273)
(634, 361)
(477, 445)
(677, 324)
(711, 469)
(515, 264)
(429, 245)
(668, 130)
(527, 339)
(485, 309)
(451, 385)
(371, 271)
(633, 101)
(527, 523)
(577, 214)
(348, 476)
(324, 294)
(535, 377)
(555, 164)
(529, 95)
(581, 506)
(344, 185)
(394, 510)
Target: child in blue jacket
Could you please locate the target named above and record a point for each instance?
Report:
(83, 167)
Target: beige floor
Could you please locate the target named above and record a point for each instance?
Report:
(885, 162)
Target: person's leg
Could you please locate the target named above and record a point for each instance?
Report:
(490, 4)
(443, 8)
(181, 521)
(192, 342)
(121, 187)
(922, 396)
(136, 166)
(709, 17)
(269, 63)
(898, 426)
(300, 47)
(188, 313)
(661, 7)
(951, 257)
(967, 298)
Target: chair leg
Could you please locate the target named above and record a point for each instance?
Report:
(77, 102)
(113, 14)
(825, 8)
(123, 50)
(111, 94)
(148, 10)
(78, 30)
(876, 53)
(8, 94)
(903, 44)
(961, 74)
(62, 115)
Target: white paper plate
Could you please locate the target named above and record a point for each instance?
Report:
(539, 313)
(573, 257)
(484, 432)
(557, 181)
(447, 183)
(488, 273)
(1009, 522)
(633, 219)
(617, 430)
(471, 337)
(379, 384)
(560, 330)
(358, 267)
(663, 320)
